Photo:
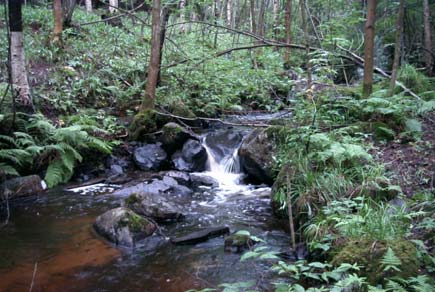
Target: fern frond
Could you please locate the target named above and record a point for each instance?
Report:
(8, 139)
(7, 169)
(56, 173)
(390, 261)
(99, 145)
(17, 156)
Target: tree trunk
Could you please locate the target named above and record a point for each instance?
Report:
(369, 47)
(229, 14)
(182, 16)
(20, 83)
(153, 68)
(427, 38)
(58, 24)
(252, 15)
(399, 29)
(165, 15)
(288, 34)
(88, 4)
(68, 11)
(113, 6)
(261, 18)
(307, 44)
(275, 14)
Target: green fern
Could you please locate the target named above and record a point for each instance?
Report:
(390, 261)
(8, 170)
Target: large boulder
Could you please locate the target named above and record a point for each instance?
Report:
(256, 156)
(153, 206)
(123, 227)
(23, 186)
(173, 137)
(149, 157)
(192, 157)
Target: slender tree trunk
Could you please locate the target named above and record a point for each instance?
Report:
(153, 68)
(307, 44)
(369, 47)
(113, 6)
(397, 49)
(20, 83)
(261, 18)
(229, 14)
(88, 4)
(252, 16)
(288, 33)
(58, 22)
(275, 17)
(166, 13)
(182, 16)
(428, 57)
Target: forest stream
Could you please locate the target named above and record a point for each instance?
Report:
(51, 238)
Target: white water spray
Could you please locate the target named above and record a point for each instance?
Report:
(226, 172)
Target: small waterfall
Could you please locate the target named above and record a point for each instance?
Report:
(226, 171)
(228, 164)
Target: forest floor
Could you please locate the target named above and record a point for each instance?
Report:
(412, 164)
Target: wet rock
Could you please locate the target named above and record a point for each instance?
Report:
(153, 206)
(23, 186)
(116, 169)
(256, 156)
(173, 137)
(166, 185)
(123, 227)
(239, 241)
(118, 179)
(181, 177)
(222, 143)
(202, 235)
(203, 180)
(192, 157)
(149, 157)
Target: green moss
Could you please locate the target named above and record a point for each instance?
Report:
(146, 122)
(137, 223)
(368, 254)
(132, 199)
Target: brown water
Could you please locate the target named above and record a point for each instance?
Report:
(55, 232)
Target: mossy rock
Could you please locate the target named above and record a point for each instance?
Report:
(180, 109)
(369, 253)
(173, 137)
(146, 122)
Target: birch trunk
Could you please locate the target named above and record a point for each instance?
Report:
(88, 4)
(113, 6)
(20, 83)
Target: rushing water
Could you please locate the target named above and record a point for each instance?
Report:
(51, 237)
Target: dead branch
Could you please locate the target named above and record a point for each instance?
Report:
(261, 125)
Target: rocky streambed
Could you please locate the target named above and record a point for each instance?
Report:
(151, 230)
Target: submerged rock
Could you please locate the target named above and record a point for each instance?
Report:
(199, 179)
(149, 157)
(23, 186)
(202, 235)
(153, 206)
(256, 156)
(192, 157)
(123, 227)
(239, 241)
